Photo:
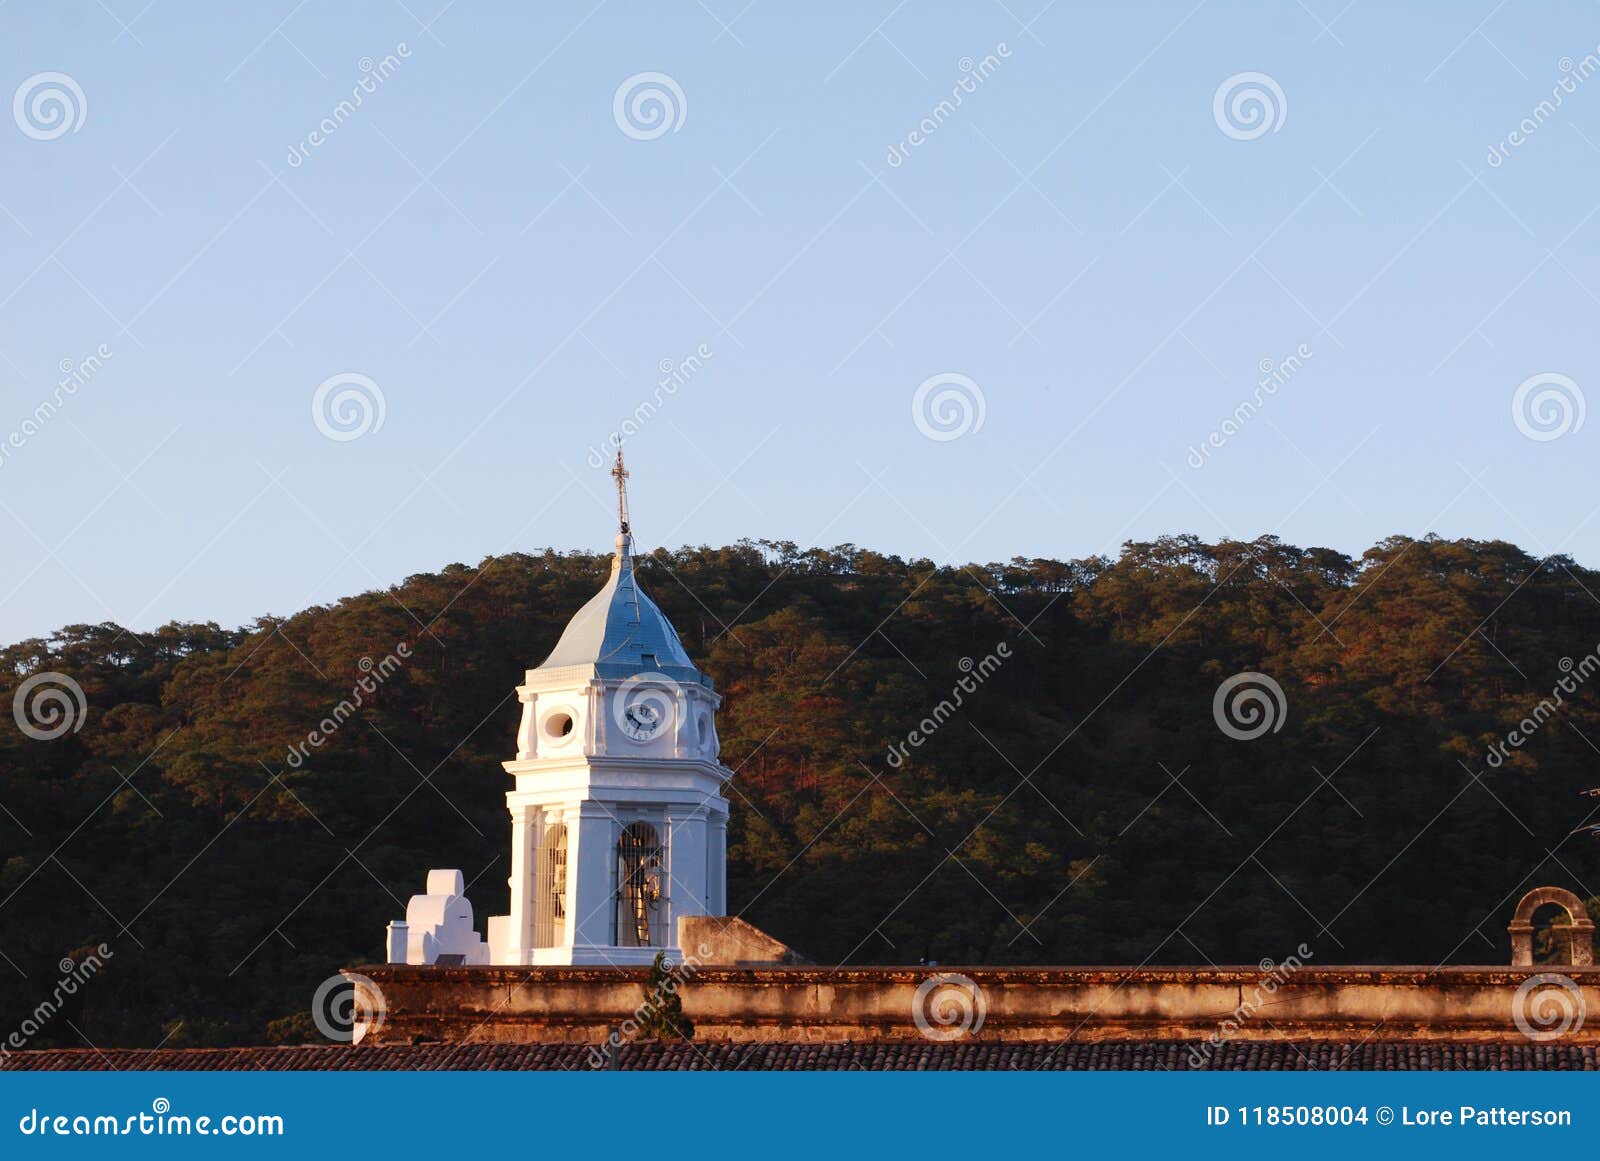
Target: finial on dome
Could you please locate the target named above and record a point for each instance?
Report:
(624, 532)
(620, 474)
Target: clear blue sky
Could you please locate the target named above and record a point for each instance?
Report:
(485, 243)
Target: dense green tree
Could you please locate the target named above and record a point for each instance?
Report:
(1079, 805)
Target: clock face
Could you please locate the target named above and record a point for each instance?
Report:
(643, 720)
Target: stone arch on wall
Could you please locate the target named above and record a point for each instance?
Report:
(1521, 925)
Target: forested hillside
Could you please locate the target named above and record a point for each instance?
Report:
(1081, 805)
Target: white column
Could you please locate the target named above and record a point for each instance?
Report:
(524, 839)
(527, 733)
(591, 859)
(595, 732)
(717, 895)
(687, 861)
(683, 725)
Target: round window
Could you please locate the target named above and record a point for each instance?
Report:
(558, 725)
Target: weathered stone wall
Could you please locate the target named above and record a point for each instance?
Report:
(726, 939)
(792, 1004)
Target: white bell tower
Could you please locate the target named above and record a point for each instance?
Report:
(618, 823)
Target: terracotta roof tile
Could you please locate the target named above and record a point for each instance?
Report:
(1155, 1055)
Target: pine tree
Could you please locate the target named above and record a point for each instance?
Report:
(661, 1015)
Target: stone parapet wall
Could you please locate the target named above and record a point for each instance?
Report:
(552, 1005)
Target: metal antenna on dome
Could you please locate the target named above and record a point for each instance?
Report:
(620, 474)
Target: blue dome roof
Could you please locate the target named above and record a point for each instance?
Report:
(621, 631)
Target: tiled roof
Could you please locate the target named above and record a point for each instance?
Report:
(1158, 1055)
